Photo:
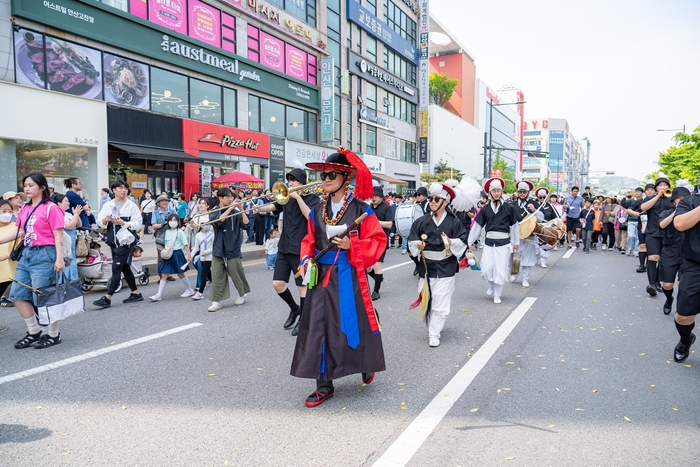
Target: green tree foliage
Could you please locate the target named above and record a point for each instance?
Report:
(441, 88)
(500, 163)
(682, 160)
(442, 173)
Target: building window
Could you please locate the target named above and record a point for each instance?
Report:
(253, 113)
(296, 124)
(371, 96)
(169, 93)
(205, 101)
(399, 108)
(305, 10)
(278, 119)
(372, 6)
(399, 21)
(397, 65)
(371, 147)
(359, 138)
(371, 49)
(228, 32)
(253, 43)
(272, 119)
(230, 107)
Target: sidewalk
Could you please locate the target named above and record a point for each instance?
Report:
(150, 257)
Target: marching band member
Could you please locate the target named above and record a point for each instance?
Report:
(500, 221)
(671, 259)
(549, 213)
(385, 216)
(339, 333)
(529, 247)
(420, 197)
(438, 239)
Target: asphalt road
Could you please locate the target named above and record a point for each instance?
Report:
(585, 377)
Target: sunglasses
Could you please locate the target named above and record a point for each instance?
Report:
(541, 197)
(330, 175)
(435, 199)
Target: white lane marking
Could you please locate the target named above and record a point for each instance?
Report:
(407, 444)
(568, 254)
(397, 266)
(94, 353)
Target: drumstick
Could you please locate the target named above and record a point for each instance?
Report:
(36, 291)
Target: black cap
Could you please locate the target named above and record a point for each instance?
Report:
(662, 179)
(639, 189)
(679, 191)
(299, 175)
(422, 191)
(650, 185)
(378, 191)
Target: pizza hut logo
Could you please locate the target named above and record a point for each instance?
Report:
(210, 138)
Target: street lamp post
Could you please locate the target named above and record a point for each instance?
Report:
(489, 167)
(452, 165)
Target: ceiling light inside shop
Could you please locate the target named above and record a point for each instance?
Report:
(294, 124)
(166, 93)
(196, 111)
(205, 101)
(273, 119)
(439, 38)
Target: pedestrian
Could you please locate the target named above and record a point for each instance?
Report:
(104, 196)
(420, 197)
(73, 187)
(193, 206)
(633, 223)
(572, 206)
(597, 225)
(159, 223)
(529, 247)
(671, 259)
(181, 208)
(203, 247)
(7, 266)
(178, 263)
(52, 191)
(499, 220)
(227, 258)
(148, 205)
(649, 192)
(620, 214)
(687, 220)
(607, 221)
(16, 201)
(339, 333)
(122, 218)
(439, 239)
(72, 223)
(385, 216)
(653, 207)
(40, 226)
(295, 225)
(271, 248)
(587, 216)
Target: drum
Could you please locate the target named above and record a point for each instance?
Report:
(406, 214)
(550, 232)
(527, 226)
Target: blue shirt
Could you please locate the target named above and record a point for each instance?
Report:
(75, 200)
(575, 206)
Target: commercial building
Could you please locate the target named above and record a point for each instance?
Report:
(172, 93)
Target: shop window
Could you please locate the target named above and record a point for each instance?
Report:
(371, 147)
(205, 101)
(313, 72)
(253, 113)
(371, 96)
(228, 32)
(359, 138)
(272, 119)
(311, 124)
(230, 107)
(296, 124)
(169, 93)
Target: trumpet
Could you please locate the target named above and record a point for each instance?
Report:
(280, 191)
(668, 193)
(255, 198)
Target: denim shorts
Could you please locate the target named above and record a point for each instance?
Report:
(34, 269)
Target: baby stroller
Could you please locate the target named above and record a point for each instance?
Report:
(96, 268)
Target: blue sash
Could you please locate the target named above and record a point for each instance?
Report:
(346, 295)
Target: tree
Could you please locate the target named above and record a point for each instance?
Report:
(441, 88)
(442, 173)
(682, 160)
(500, 163)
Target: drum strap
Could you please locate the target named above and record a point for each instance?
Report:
(497, 235)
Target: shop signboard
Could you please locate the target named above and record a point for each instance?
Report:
(171, 14)
(296, 62)
(205, 23)
(299, 154)
(377, 28)
(117, 29)
(327, 98)
(230, 143)
(206, 180)
(375, 164)
(423, 79)
(382, 78)
(277, 159)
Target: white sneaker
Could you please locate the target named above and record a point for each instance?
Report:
(187, 293)
(544, 265)
(526, 283)
(215, 306)
(434, 341)
(197, 296)
(155, 298)
(496, 299)
(489, 292)
(403, 252)
(240, 300)
(556, 248)
(605, 247)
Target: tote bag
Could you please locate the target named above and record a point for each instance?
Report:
(60, 300)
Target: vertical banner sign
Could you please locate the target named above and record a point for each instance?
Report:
(327, 101)
(423, 80)
(277, 158)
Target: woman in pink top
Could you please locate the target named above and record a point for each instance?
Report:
(40, 225)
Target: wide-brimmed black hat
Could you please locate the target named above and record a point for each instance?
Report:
(679, 191)
(347, 161)
(662, 179)
(336, 161)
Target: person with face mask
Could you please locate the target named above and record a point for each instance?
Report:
(7, 266)
(178, 263)
(202, 250)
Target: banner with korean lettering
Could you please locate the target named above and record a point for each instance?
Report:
(205, 23)
(169, 13)
(271, 52)
(296, 63)
(423, 79)
(327, 100)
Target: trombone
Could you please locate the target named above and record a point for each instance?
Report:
(255, 198)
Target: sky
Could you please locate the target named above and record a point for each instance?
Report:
(616, 70)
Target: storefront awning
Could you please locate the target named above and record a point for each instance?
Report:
(157, 154)
(389, 179)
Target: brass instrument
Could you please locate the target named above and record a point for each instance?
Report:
(280, 191)
(668, 193)
(255, 198)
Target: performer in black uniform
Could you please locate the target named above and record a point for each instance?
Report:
(529, 247)
(670, 259)
(439, 239)
(294, 224)
(549, 213)
(649, 192)
(687, 219)
(653, 234)
(385, 216)
(420, 197)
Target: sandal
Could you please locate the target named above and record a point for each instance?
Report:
(28, 340)
(47, 341)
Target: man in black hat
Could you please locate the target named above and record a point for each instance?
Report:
(420, 197)
(653, 234)
(649, 192)
(385, 216)
(670, 259)
(687, 220)
(294, 227)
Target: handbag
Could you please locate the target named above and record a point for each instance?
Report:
(167, 253)
(82, 246)
(59, 301)
(16, 253)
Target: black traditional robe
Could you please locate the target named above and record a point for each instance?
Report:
(453, 228)
(500, 221)
(549, 212)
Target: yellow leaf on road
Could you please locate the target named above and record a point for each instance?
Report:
(551, 426)
(674, 409)
(594, 391)
(627, 419)
(212, 374)
(510, 458)
(473, 410)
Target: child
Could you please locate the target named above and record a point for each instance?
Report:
(138, 252)
(177, 263)
(597, 225)
(203, 244)
(271, 249)
(587, 216)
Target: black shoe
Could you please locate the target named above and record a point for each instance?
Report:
(104, 302)
(134, 297)
(658, 287)
(667, 307)
(291, 319)
(682, 351)
(319, 396)
(295, 331)
(578, 244)
(641, 269)
(47, 341)
(594, 247)
(28, 340)
(367, 378)
(4, 302)
(588, 252)
(415, 271)
(375, 296)
(651, 290)
(171, 279)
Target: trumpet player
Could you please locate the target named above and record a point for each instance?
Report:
(294, 228)
(653, 234)
(671, 260)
